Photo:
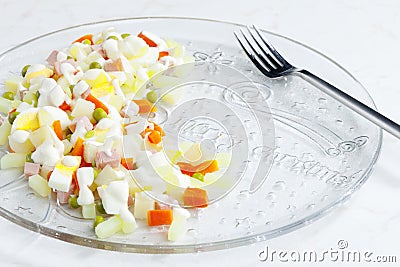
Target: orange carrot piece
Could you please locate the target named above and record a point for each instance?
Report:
(97, 102)
(159, 129)
(75, 180)
(195, 197)
(145, 106)
(203, 168)
(154, 137)
(78, 148)
(85, 164)
(159, 217)
(84, 37)
(48, 175)
(147, 130)
(57, 129)
(128, 163)
(148, 41)
(64, 106)
(162, 54)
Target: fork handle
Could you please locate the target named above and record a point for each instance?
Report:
(359, 107)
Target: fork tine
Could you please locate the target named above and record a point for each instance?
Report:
(252, 57)
(268, 64)
(273, 61)
(271, 48)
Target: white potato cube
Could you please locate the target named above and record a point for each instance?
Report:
(109, 227)
(83, 108)
(12, 160)
(143, 203)
(60, 180)
(39, 185)
(89, 211)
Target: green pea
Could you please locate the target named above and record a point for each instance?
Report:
(100, 207)
(152, 96)
(8, 95)
(112, 37)
(98, 220)
(99, 114)
(95, 65)
(199, 176)
(12, 117)
(73, 202)
(89, 134)
(69, 57)
(24, 70)
(28, 157)
(124, 35)
(86, 42)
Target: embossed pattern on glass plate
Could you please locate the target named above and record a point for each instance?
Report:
(323, 152)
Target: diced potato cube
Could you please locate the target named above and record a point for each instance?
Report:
(12, 160)
(109, 227)
(39, 185)
(5, 105)
(89, 211)
(116, 101)
(5, 130)
(143, 203)
(107, 175)
(11, 84)
(60, 180)
(83, 108)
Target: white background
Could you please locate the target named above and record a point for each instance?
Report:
(363, 36)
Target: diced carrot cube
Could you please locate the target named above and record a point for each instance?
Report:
(159, 217)
(154, 137)
(162, 54)
(148, 41)
(128, 163)
(78, 148)
(57, 129)
(84, 37)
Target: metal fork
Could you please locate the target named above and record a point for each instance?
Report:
(273, 65)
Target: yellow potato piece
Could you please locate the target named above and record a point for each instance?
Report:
(27, 121)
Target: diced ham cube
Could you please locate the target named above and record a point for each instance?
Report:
(64, 196)
(113, 65)
(31, 169)
(102, 159)
(99, 49)
(57, 65)
(52, 57)
(86, 123)
(131, 201)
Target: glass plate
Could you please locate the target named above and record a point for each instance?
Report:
(323, 151)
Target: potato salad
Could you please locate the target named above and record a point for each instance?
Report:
(80, 134)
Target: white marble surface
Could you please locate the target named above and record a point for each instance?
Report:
(364, 36)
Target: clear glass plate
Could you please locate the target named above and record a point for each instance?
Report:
(323, 151)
